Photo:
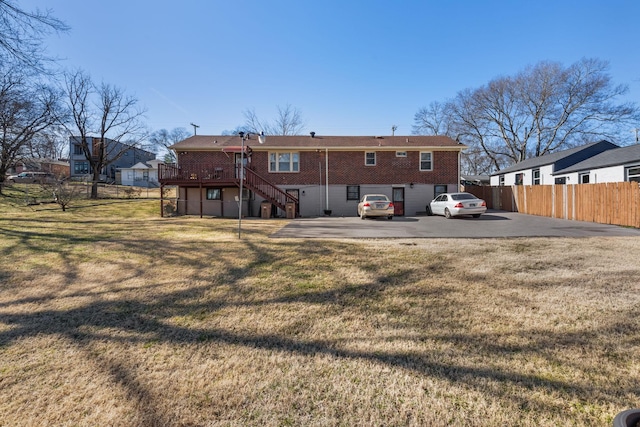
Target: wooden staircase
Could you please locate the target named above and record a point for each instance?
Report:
(270, 192)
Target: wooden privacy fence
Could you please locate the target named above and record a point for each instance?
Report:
(500, 198)
(616, 203)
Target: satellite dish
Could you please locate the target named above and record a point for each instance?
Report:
(262, 138)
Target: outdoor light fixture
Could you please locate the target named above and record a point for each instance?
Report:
(261, 139)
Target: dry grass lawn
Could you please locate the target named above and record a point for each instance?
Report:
(111, 315)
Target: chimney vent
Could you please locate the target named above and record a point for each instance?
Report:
(313, 134)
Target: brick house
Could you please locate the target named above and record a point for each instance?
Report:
(315, 173)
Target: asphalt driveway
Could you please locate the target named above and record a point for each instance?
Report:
(491, 224)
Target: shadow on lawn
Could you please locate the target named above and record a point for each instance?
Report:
(146, 319)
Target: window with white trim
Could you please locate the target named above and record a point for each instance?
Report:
(536, 177)
(370, 158)
(401, 154)
(633, 173)
(426, 160)
(284, 161)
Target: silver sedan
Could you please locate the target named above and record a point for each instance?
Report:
(375, 205)
(454, 204)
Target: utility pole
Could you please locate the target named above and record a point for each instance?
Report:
(195, 126)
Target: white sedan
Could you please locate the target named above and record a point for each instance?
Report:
(454, 204)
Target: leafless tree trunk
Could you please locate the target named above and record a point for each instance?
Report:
(107, 114)
(25, 110)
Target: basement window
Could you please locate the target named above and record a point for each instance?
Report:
(214, 194)
(353, 192)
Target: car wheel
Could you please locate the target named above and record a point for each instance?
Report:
(390, 217)
(476, 215)
(447, 214)
(429, 213)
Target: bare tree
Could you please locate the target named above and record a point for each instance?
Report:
(544, 108)
(26, 109)
(288, 122)
(21, 34)
(105, 112)
(48, 144)
(64, 193)
(432, 120)
(163, 139)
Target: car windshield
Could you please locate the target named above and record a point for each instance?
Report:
(463, 196)
(377, 198)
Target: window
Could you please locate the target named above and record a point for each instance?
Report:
(633, 174)
(519, 178)
(214, 194)
(80, 168)
(284, 162)
(439, 189)
(501, 180)
(561, 181)
(583, 178)
(353, 192)
(77, 149)
(401, 154)
(425, 161)
(370, 158)
(536, 177)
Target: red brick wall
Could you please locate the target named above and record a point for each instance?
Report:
(345, 167)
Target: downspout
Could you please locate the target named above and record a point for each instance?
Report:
(459, 169)
(326, 176)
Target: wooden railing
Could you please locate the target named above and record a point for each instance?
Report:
(227, 174)
(267, 190)
(200, 172)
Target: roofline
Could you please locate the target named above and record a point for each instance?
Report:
(350, 148)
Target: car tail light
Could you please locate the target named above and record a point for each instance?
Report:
(390, 205)
(366, 204)
(483, 203)
(459, 205)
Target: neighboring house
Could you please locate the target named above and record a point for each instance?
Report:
(475, 180)
(540, 170)
(617, 165)
(128, 156)
(141, 174)
(317, 174)
(58, 168)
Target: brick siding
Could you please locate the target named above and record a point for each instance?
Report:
(345, 167)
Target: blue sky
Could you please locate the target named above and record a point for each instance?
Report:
(351, 67)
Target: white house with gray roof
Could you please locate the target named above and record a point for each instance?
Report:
(617, 165)
(543, 170)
